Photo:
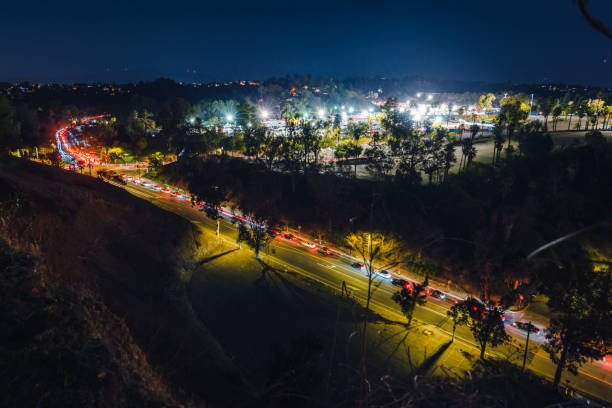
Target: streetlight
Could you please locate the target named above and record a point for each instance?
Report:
(419, 95)
(229, 117)
(321, 113)
(264, 114)
(351, 109)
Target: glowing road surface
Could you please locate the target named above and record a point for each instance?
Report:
(69, 152)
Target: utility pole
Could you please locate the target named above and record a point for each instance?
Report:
(530, 105)
(526, 345)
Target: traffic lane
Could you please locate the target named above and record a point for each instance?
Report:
(293, 255)
(334, 270)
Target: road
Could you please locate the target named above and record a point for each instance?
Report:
(334, 270)
(291, 255)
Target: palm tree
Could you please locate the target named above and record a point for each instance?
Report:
(581, 111)
(546, 108)
(556, 112)
(570, 110)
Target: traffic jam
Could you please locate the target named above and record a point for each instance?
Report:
(384, 276)
(75, 155)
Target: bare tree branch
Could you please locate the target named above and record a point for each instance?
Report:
(593, 22)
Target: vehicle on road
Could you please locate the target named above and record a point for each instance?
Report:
(309, 244)
(383, 274)
(146, 184)
(401, 283)
(129, 178)
(137, 181)
(158, 188)
(437, 294)
(273, 232)
(325, 251)
(166, 190)
(528, 327)
(358, 265)
(288, 236)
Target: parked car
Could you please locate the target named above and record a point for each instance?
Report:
(437, 294)
(528, 327)
(273, 232)
(358, 265)
(325, 251)
(383, 274)
(401, 283)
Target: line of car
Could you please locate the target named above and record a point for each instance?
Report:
(147, 184)
(382, 274)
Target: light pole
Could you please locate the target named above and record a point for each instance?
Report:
(526, 345)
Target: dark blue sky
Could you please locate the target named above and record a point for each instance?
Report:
(517, 40)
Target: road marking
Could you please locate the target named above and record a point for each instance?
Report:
(326, 266)
(374, 302)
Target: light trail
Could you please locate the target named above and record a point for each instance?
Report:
(71, 154)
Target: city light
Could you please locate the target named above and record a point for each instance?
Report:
(419, 95)
(321, 113)
(351, 109)
(429, 97)
(264, 114)
(229, 117)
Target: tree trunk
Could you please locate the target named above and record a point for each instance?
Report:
(454, 328)
(569, 125)
(560, 368)
(483, 347)
(363, 341)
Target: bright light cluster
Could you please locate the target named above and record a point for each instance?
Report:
(73, 154)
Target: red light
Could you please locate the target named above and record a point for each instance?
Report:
(406, 285)
(475, 308)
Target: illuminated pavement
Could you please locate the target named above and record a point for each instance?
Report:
(331, 271)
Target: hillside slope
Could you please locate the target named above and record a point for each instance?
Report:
(101, 270)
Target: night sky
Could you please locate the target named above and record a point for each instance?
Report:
(517, 40)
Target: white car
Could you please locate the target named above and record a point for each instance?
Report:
(309, 244)
(383, 274)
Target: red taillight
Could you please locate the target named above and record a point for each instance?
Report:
(475, 308)
(406, 285)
